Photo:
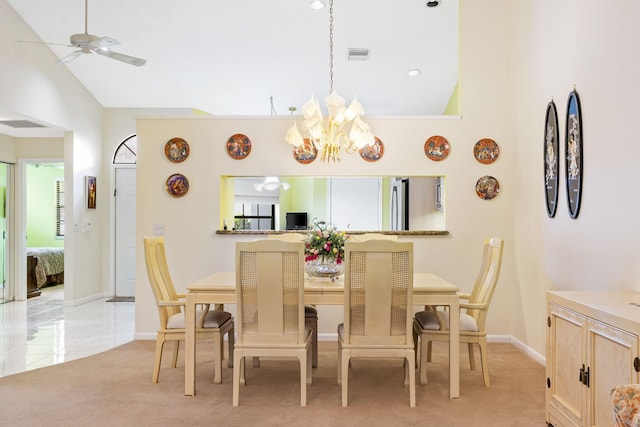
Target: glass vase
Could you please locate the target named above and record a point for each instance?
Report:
(324, 267)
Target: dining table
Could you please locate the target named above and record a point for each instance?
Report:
(220, 288)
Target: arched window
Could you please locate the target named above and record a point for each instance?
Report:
(126, 152)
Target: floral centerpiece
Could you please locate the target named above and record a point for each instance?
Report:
(324, 250)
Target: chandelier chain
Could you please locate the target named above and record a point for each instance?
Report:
(331, 46)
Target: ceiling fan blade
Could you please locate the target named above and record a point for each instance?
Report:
(70, 57)
(138, 62)
(43, 43)
(103, 42)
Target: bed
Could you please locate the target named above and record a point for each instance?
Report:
(45, 266)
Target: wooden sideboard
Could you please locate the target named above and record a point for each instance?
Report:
(592, 346)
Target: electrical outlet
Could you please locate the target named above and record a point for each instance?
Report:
(158, 229)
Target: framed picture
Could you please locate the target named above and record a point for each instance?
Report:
(573, 154)
(90, 185)
(551, 157)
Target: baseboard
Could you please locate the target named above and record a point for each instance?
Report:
(490, 338)
(83, 300)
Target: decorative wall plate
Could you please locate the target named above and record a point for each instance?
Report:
(436, 148)
(486, 151)
(306, 153)
(239, 146)
(551, 159)
(176, 150)
(177, 185)
(487, 187)
(573, 154)
(373, 152)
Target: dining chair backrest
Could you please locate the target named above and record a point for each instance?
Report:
(486, 280)
(288, 237)
(270, 292)
(378, 292)
(159, 277)
(371, 236)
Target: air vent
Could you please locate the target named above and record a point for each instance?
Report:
(358, 54)
(20, 124)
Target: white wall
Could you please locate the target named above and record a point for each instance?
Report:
(593, 45)
(33, 86)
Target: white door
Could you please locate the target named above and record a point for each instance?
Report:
(125, 224)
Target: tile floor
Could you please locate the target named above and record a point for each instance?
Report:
(41, 331)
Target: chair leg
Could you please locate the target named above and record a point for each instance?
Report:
(309, 361)
(313, 323)
(230, 343)
(411, 372)
(345, 357)
(472, 357)
(176, 349)
(158, 359)
(339, 362)
(304, 360)
(238, 366)
(483, 361)
(217, 358)
(425, 353)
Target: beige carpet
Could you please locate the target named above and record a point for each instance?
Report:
(114, 389)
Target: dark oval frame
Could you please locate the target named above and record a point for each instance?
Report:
(551, 158)
(573, 154)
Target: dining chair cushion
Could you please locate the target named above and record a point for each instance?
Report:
(428, 320)
(214, 319)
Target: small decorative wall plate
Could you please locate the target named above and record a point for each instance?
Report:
(373, 152)
(436, 148)
(177, 185)
(306, 153)
(486, 151)
(239, 146)
(176, 150)
(487, 187)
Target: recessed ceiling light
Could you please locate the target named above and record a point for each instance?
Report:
(316, 4)
(413, 72)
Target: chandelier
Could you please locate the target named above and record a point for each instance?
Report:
(329, 137)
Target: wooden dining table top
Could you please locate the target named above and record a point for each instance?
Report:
(320, 290)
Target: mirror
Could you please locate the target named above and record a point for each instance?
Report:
(362, 203)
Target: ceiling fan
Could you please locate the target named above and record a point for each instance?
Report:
(87, 43)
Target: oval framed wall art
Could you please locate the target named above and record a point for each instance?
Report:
(573, 154)
(551, 159)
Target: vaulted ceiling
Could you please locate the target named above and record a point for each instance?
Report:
(257, 57)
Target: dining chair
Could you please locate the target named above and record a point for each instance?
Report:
(310, 312)
(378, 294)
(210, 324)
(432, 324)
(270, 308)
